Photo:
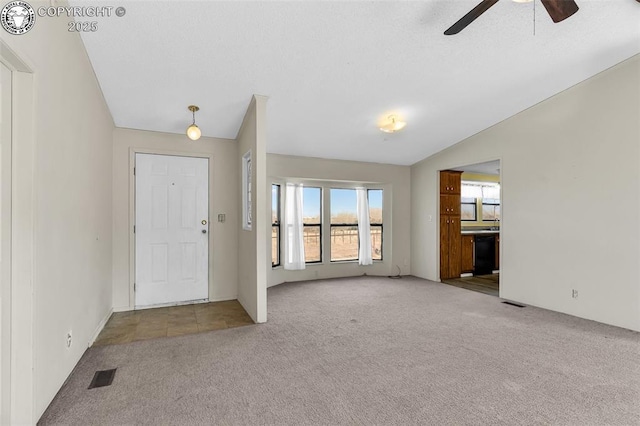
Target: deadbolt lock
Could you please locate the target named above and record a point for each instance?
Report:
(204, 222)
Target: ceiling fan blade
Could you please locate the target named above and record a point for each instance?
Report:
(559, 10)
(470, 17)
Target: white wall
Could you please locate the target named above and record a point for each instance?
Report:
(70, 215)
(252, 247)
(223, 198)
(571, 165)
(395, 180)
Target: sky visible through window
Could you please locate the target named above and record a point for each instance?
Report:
(274, 202)
(342, 201)
(311, 202)
(375, 198)
(344, 206)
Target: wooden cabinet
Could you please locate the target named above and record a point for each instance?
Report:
(450, 237)
(450, 204)
(450, 182)
(450, 247)
(467, 253)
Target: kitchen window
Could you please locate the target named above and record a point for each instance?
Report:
(490, 209)
(482, 196)
(468, 209)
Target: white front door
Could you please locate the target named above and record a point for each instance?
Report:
(171, 229)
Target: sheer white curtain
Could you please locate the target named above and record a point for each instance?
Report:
(364, 228)
(491, 191)
(471, 190)
(293, 228)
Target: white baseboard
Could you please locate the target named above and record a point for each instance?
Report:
(224, 298)
(100, 327)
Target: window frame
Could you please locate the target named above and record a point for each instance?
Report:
(381, 225)
(494, 204)
(318, 225)
(343, 225)
(473, 203)
(277, 224)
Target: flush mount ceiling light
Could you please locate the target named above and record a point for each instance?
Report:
(393, 124)
(193, 131)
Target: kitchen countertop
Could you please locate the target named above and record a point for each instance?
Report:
(480, 231)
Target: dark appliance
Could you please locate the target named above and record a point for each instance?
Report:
(485, 254)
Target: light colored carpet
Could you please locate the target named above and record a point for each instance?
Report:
(369, 351)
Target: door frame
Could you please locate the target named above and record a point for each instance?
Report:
(437, 204)
(132, 217)
(17, 397)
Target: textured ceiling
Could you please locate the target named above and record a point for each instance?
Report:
(333, 69)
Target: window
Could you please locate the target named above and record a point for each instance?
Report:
(375, 219)
(468, 209)
(344, 225)
(246, 191)
(490, 209)
(275, 225)
(480, 195)
(312, 221)
(491, 202)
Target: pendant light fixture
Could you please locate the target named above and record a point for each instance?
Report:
(393, 124)
(193, 131)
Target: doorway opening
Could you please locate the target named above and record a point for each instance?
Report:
(470, 217)
(171, 230)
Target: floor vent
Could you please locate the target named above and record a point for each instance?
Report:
(513, 304)
(102, 378)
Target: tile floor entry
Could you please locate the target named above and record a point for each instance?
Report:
(125, 327)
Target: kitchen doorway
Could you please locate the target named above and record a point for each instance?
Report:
(476, 210)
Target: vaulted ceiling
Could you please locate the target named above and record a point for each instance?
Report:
(333, 69)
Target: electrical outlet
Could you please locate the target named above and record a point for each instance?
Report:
(69, 339)
(574, 293)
